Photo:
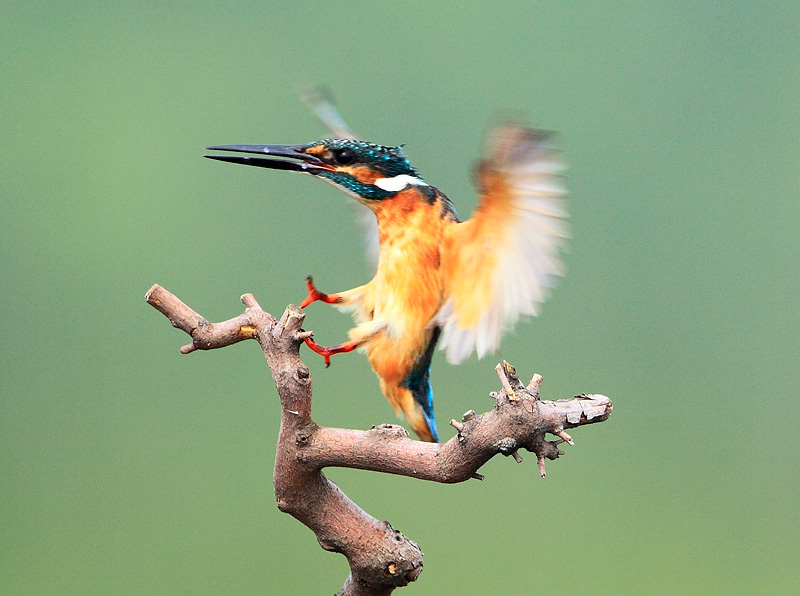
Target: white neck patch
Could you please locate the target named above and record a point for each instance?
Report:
(398, 183)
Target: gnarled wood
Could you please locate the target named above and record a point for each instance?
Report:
(381, 558)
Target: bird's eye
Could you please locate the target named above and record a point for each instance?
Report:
(344, 156)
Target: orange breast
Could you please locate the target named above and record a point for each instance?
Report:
(407, 288)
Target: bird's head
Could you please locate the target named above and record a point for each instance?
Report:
(366, 171)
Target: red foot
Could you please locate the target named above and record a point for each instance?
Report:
(327, 352)
(314, 294)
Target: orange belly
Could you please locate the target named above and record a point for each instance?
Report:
(406, 293)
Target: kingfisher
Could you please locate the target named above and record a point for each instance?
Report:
(461, 284)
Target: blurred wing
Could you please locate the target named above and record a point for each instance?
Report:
(503, 262)
(369, 232)
(320, 101)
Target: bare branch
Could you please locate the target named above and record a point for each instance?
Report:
(205, 335)
(381, 558)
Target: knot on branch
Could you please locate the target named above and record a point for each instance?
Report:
(303, 374)
(390, 431)
(303, 434)
(507, 446)
(392, 568)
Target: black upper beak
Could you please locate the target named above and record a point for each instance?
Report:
(307, 163)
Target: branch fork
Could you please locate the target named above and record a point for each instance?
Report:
(380, 557)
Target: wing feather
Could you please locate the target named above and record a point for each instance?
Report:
(504, 261)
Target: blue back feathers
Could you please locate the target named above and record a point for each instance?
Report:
(419, 383)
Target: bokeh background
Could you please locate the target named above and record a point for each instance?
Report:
(126, 468)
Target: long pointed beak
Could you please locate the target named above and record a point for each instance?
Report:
(279, 157)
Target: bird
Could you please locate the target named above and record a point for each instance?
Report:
(461, 284)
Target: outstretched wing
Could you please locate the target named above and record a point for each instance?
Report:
(320, 101)
(503, 262)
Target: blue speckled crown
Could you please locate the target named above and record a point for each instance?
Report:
(389, 161)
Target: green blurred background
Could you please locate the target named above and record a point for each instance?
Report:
(126, 468)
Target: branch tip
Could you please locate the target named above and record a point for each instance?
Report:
(149, 293)
(535, 384)
(249, 301)
(517, 457)
(456, 425)
(565, 437)
(477, 476)
(502, 370)
(188, 348)
(291, 322)
(508, 369)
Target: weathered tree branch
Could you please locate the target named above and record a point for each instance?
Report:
(381, 558)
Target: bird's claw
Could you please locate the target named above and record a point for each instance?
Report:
(326, 352)
(315, 295)
(321, 350)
